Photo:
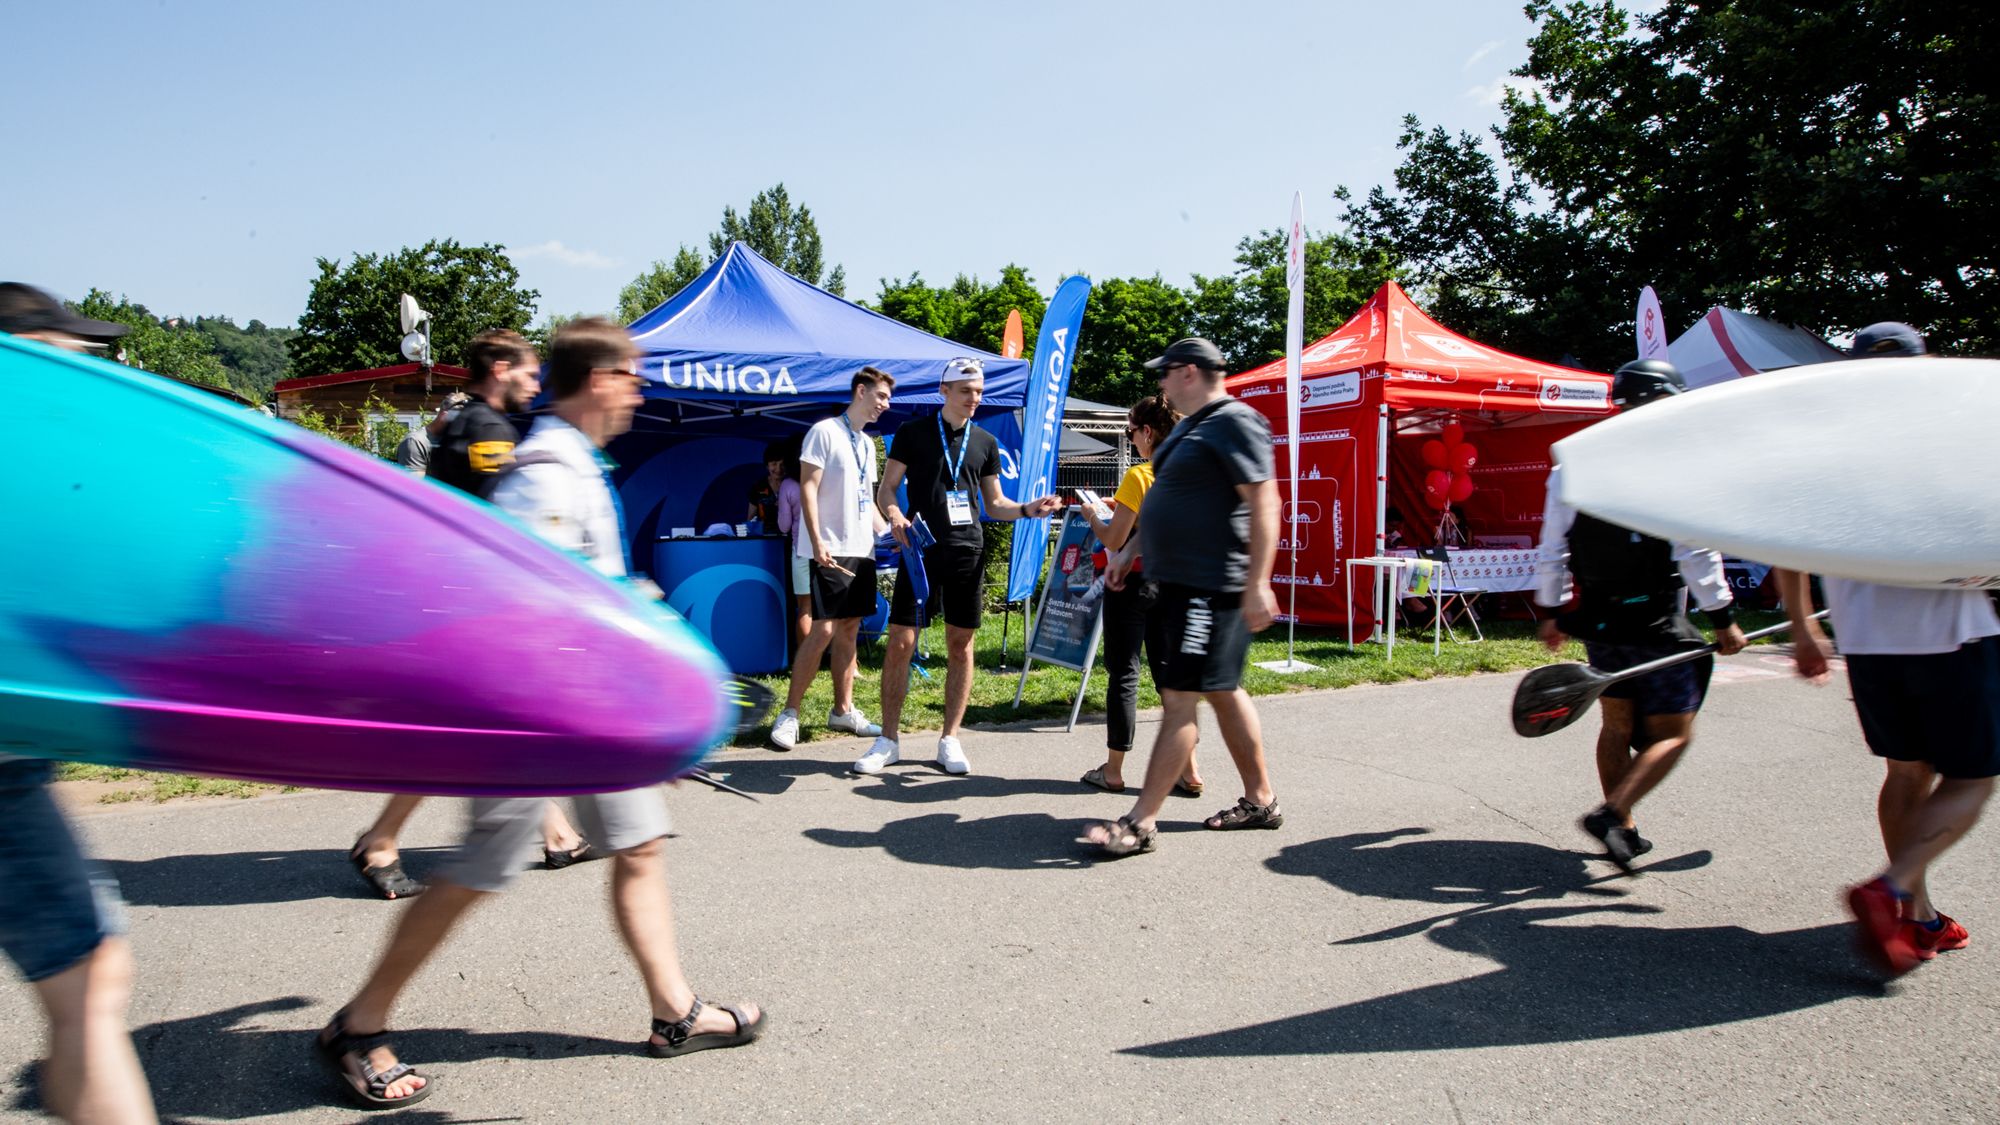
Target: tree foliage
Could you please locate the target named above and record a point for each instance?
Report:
(1126, 322)
(773, 226)
(1825, 165)
(1244, 312)
(169, 347)
(968, 310)
(253, 356)
(350, 322)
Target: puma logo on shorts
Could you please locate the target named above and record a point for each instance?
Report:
(1200, 623)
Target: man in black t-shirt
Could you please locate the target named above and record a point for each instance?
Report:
(479, 441)
(951, 467)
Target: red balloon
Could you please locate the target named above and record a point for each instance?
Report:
(1438, 481)
(1461, 489)
(1434, 454)
(1453, 433)
(1464, 458)
(1436, 500)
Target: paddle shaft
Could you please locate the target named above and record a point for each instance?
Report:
(1682, 657)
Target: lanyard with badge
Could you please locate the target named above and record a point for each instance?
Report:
(957, 501)
(863, 461)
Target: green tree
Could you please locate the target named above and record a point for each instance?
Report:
(658, 284)
(785, 234)
(968, 310)
(1244, 312)
(1826, 165)
(350, 322)
(1127, 322)
(169, 347)
(253, 356)
(788, 235)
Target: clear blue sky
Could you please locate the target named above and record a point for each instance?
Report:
(198, 157)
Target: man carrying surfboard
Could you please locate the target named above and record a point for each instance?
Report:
(1924, 668)
(1627, 610)
(64, 924)
(559, 488)
(474, 446)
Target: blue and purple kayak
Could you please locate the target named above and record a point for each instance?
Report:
(186, 585)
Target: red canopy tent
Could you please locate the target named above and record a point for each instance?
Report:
(1371, 395)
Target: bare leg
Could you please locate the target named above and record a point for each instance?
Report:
(1667, 738)
(425, 925)
(1905, 787)
(1243, 735)
(846, 637)
(802, 619)
(378, 844)
(1171, 748)
(1614, 746)
(806, 665)
(92, 1074)
(1937, 823)
(645, 914)
(896, 678)
(1113, 768)
(558, 835)
(957, 675)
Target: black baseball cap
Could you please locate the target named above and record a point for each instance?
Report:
(1193, 350)
(24, 308)
(1889, 338)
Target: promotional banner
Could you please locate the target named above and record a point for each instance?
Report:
(1010, 337)
(1041, 425)
(1295, 327)
(1066, 627)
(1651, 326)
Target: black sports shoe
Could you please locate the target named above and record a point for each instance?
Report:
(1603, 824)
(1640, 845)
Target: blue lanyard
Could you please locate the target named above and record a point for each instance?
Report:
(862, 463)
(964, 440)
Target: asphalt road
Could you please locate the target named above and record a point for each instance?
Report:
(1428, 938)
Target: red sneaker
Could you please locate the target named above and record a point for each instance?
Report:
(1929, 943)
(1881, 936)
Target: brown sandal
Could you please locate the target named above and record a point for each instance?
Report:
(1246, 814)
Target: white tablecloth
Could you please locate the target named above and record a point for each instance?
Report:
(1495, 570)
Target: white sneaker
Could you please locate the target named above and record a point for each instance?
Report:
(883, 753)
(785, 732)
(853, 722)
(952, 756)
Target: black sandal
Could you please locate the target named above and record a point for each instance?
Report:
(1123, 838)
(582, 853)
(1246, 814)
(682, 1040)
(366, 1087)
(389, 880)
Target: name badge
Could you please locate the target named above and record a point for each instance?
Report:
(958, 507)
(861, 501)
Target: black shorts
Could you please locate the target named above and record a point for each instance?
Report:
(837, 596)
(1675, 690)
(1941, 708)
(1196, 640)
(957, 575)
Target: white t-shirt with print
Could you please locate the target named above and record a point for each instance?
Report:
(846, 461)
(1873, 620)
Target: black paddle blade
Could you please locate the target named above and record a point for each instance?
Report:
(753, 702)
(1549, 699)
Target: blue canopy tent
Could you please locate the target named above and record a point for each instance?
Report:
(744, 356)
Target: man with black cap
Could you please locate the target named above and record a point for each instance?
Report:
(1628, 610)
(1924, 669)
(953, 468)
(64, 924)
(1209, 534)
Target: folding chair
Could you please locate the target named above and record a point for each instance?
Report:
(1454, 598)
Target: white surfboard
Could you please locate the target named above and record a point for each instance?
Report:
(1883, 470)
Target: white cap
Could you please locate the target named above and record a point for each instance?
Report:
(961, 369)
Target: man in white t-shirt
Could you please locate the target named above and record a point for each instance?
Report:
(1924, 667)
(839, 521)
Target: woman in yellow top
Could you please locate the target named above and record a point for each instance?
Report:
(1147, 424)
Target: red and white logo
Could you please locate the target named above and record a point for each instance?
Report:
(1574, 394)
(1330, 390)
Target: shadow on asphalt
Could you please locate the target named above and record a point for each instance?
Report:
(1018, 842)
(250, 878)
(228, 1065)
(1557, 983)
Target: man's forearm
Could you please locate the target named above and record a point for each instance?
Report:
(1263, 534)
(809, 511)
